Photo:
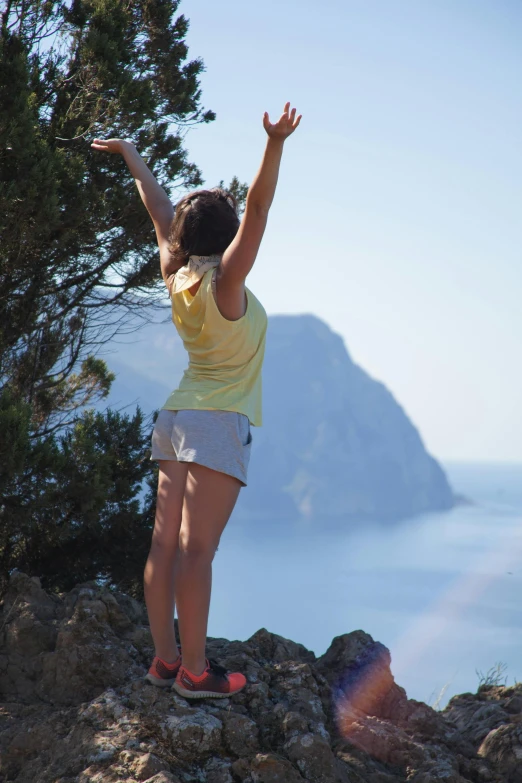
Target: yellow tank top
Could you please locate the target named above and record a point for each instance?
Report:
(225, 357)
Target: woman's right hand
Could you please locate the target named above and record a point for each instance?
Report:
(286, 124)
(111, 145)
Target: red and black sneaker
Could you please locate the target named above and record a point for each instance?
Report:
(163, 674)
(213, 682)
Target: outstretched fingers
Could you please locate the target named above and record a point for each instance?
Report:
(105, 145)
(109, 145)
(288, 117)
(284, 116)
(296, 123)
(286, 124)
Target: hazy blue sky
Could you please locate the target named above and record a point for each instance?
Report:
(397, 216)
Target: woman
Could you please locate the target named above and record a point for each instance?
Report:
(202, 438)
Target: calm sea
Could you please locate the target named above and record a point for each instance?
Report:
(442, 591)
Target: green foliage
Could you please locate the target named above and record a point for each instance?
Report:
(239, 190)
(78, 250)
(78, 263)
(493, 677)
(70, 504)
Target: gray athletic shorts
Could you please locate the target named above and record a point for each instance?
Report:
(220, 440)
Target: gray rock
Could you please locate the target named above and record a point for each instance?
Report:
(194, 736)
(240, 735)
(313, 756)
(340, 718)
(474, 717)
(502, 747)
(148, 765)
(218, 771)
(271, 647)
(358, 670)
(271, 768)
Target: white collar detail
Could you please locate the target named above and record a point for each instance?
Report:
(188, 275)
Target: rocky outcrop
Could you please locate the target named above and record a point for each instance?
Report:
(491, 721)
(75, 708)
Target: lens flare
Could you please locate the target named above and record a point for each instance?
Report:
(367, 686)
(364, 688)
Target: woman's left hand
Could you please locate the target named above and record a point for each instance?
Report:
(285, 125)
(111, 145)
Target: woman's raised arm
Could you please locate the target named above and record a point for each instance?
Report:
(238, 259)
(152, 194)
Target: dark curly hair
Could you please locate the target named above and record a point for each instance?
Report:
(205, 223)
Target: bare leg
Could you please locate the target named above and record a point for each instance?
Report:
(209, 500)
(159, 570)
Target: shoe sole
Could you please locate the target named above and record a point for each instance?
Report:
(159, 683)
(203, 694)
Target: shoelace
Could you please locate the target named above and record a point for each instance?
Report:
(216, 669)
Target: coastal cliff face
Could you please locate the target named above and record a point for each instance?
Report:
(334, 441)
(75, 708)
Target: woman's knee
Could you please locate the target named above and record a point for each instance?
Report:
(163, 545)
(196, 547)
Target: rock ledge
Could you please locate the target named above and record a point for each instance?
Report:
(75, 708)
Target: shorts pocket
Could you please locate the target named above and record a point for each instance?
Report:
(161, 435)
(245, 433)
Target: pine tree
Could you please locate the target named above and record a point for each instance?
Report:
(78, 262)
(77, 252)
